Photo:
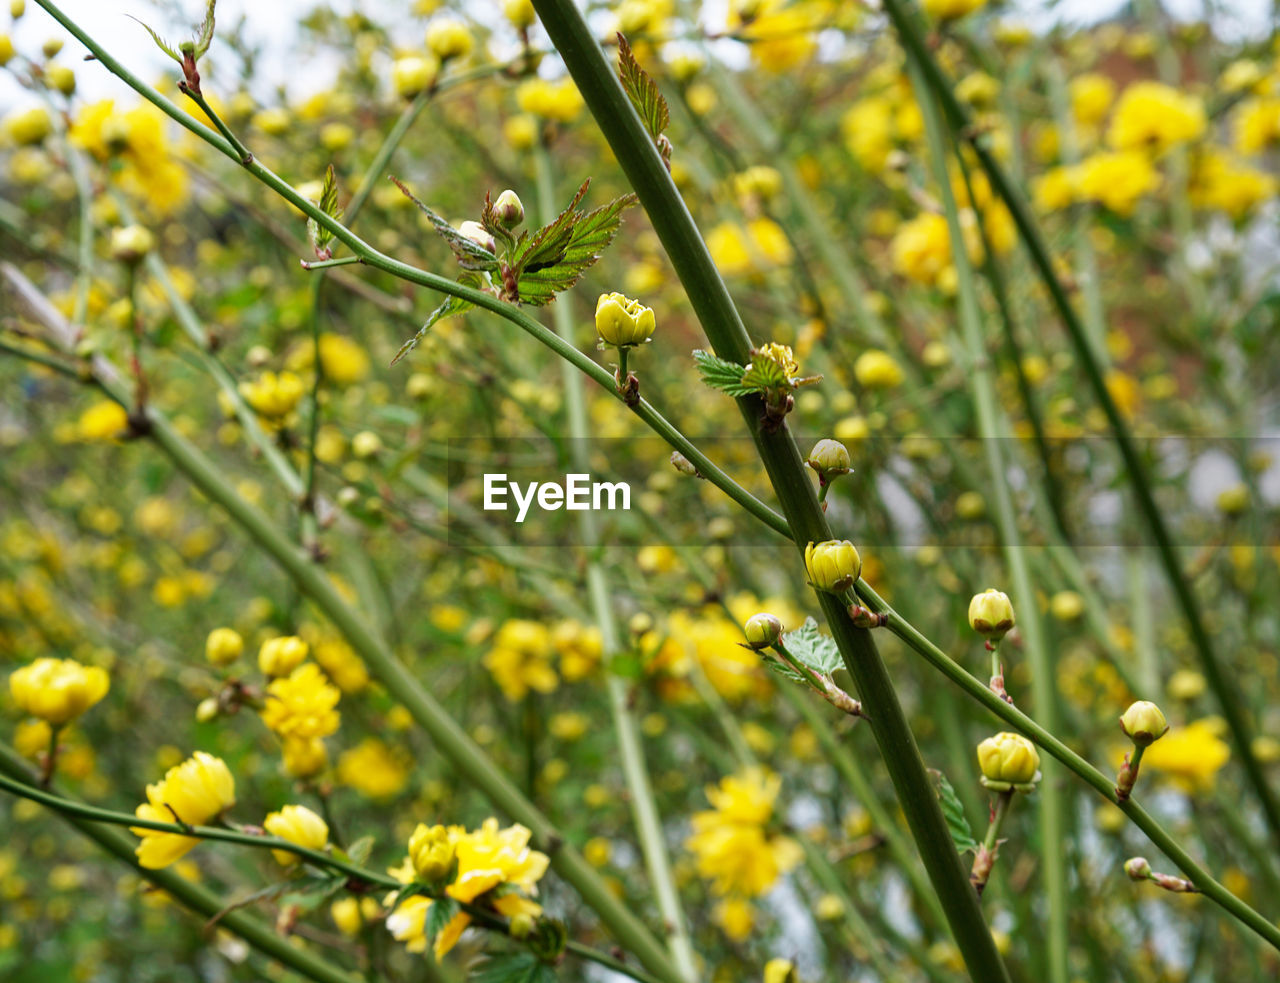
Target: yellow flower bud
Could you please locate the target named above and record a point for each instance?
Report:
(366, 444)
(520, 13)
(779, 971)
(411, 76)
(1144, 723)
(431, 851)
(280, 656)
(61, 78)
(829, 458)
(762, 630)
(207, 709)
(58, 690)
(299, 825)
(130, 244)
(6, 50)
(1066, 605)
(28, 127)
(1008, 759)
(622, 321)
(223, 646)
(1137, 868)
(875, 369)
(17, 8)
(1186, 684)
(273, 396)
(833, 565)
(449, 39)
(991, 614)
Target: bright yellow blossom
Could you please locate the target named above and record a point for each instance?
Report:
(192, 792)
(58, 690)
(298, 825)
(731, 842)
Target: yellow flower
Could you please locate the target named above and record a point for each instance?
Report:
(1091, 96)
(1224, 184)
(305, 757)
(1008, 759)
(341, 664)
(300, 706)
(27, 127)
(560, 101)
(1066, 605)
(760, 246)
(779, 971)
(730, 842)
(1153, 117)
(58, 690)
(1256, 123)
(299, 825)
(273, 396)
(875, 369)
(1056, 189)
(1190, 755)
(104, 420)
(623, 322)
(735, 917)
(280, 656)
(487, 858)
(1116, 180)
(223, 646)
(520, 660)
(342, 360)
(194, 792)
(921, 248)
(373, 769)
(833, 565)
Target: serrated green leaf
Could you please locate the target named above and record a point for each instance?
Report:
(784, 670)
(953, 812)
(328, 203)
(513, 967)
(205, 37)
(160, 42)
(359, 851)
(471, 255)
(816, 650)
(450, 307)
(764, 373)
(546, 246)
(719, 373)
(590, 235)
(644, 95)
(440, 914)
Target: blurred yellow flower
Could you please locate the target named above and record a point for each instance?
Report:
(301, 706)
(1192, 755)
(104, 420)
(299, 825)
(193, 792)
(373, 769)
(57, 690)
(731, 843)
(520, 659)
(1153, 117)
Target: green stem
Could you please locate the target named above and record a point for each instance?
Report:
(644, 807)
(1223, 685)
(198, 98)
(1043, 684)
(714, 308)
(328, 264)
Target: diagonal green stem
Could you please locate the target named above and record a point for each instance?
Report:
(715, 310)
(1220, 681)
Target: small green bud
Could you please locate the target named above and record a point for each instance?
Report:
(207, 709)
(622, 321)
(762, 630)
(1144, 723)
(684, 465)
(521, 926)
(1137, 868)
(1008, 760)
(509, 209)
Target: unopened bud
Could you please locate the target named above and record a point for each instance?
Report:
(1144, 723)
(762, 630)
(509, 209)
(131, 244)
(833, 565)
(51, 47)
(991, 614)
(1137, 868)
(207, 709)
(830, 459)
(478, 234)
(684, 465)
(521, 926)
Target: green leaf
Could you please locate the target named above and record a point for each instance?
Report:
(645, 97)
(471, 255)
(554, 257)
(953, 812)
(719, 373)
(451, 306)
(328, 203)
(513, 967)
(784, 670)
(205, 37)
(160, 42)
(440, 914)
(358, 852)
(816, 650)
(764, 373)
